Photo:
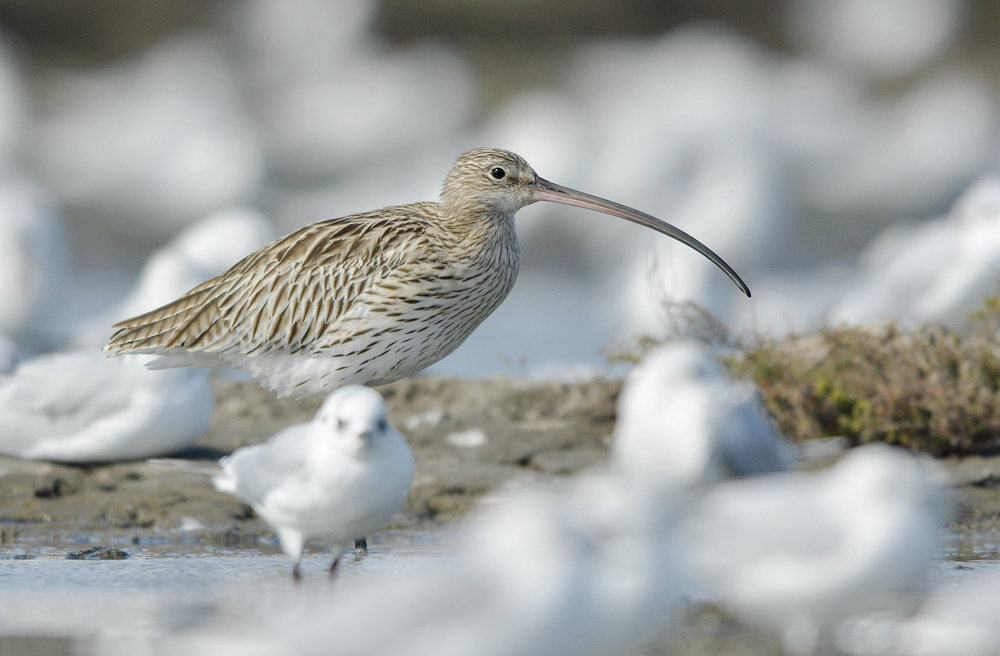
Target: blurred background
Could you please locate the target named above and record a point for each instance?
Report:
(838, 153)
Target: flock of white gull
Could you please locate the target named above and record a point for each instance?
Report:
(701, 503)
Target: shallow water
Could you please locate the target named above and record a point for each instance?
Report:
(174, 585)
(52, 606)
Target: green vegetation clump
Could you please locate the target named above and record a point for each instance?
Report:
(929, 388)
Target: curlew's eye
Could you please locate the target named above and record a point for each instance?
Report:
(498, 173)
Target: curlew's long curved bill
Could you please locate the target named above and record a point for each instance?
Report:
(542, 189)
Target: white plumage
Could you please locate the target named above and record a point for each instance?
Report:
(682, 421)
(337, 478)
(575, 570)
(799, 552)
(198, 253)
(936, 272)
(84, 407)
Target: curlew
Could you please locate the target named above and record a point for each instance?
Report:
(368, 298)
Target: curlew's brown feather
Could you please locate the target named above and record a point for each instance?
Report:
(288, 293)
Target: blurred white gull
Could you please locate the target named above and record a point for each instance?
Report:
(14, 107)
(908, 155)
(595, 580)
(800, 552)
(34, 258)
(960, 618)
(884, 39)
(682, 126)
(337, 478)
(85, 407)
(200, 252)
(300, 38)
(9, 355)
(149, 145)
(932, 273)
(329, 107)
(735, 194)
(682, 422)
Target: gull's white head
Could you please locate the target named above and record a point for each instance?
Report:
(354, 416)
(681, 363)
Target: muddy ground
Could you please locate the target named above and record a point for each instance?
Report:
(469, 437)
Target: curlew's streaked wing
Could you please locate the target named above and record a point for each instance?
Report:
(286, 295)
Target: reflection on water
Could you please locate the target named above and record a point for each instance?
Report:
(176, 585)
(169, 585)
(972, 546)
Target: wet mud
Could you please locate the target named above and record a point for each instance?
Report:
(468, 437)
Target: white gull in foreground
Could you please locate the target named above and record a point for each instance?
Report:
(335, 479)
(569, 570)
(682, 422)
(799, 552)
(84, 407)
(960, 618)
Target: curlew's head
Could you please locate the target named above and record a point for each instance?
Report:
(491, 179)
(499, 182)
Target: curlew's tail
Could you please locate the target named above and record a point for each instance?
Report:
(174, 327)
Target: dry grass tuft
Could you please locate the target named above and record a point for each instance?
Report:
(931, 388)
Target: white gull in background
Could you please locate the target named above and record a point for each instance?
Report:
(9, 355)
(908, 155)
(883, 39)
(340, 477)
(682, 126)
(682, 422)
(84, 407)
(329, 106)
(149, 145)
(596, 578)
(932, 273)
(200, 252)
(800, 552)
(15, 109)
(34, 258)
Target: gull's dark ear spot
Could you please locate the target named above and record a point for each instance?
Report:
(341, 424)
